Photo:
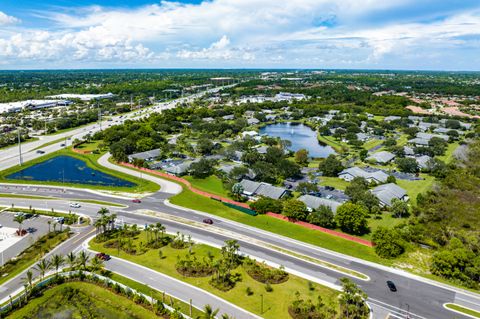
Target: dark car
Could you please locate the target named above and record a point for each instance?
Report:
(391, 285)
(136, 200)
(103, 256)
(40, 152)
(208, 221)
(31, 230)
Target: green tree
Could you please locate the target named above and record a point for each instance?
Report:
(57, 261)
(322, 216)
(294, 209)
(352, 301)
(331, 166)
(201, 169)
(20, 218)
(407, 165)
(301, 157)
(352, 218)
(306, 187)
(399, 208)
(265, 205)
(237, 191)
(209, 312)
(43, 266)
(388, 242)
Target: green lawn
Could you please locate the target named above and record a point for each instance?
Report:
(414, 188)
(88, 301)
(98, 202)
(372, 143)
(336, 182)
(386, 221)
(211, 184)
(91, 161)
(467, 311)
(338, 146)
(275, 303)
(89, 146)
(449, 152)
(58, 140)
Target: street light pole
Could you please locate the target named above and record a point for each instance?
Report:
(20, 148)
(261, 304)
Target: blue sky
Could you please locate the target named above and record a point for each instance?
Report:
(367, 34)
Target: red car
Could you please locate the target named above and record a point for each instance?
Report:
(103, 256)
(208, 221)
(136, 200)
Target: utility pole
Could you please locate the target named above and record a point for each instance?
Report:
(99, 117)
(19, 148)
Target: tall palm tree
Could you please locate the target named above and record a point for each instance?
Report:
(103, 211)
(83, 259)
(19, 219)
(71, 260)
(57, 262)
(209, 312)
(28, 279)
(43, 267)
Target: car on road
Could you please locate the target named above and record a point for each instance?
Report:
(40, 152)
(208, 221)
(19, 214)
(136, 200)
(62, 145)
(391, 286)
(103, 256)
(31, 230)
(75, 205)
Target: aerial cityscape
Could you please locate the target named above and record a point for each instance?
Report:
(308, 159)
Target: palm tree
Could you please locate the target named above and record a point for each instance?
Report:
(28, 279)
(71, 260)
(96, 264)
(225, 316)
(103, 211)
(209, 313)
(57, 262)
(83, 259)
(19, 219)
(43, 266)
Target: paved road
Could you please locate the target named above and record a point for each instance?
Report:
(424, 300)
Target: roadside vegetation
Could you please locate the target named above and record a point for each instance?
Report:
(222, 272)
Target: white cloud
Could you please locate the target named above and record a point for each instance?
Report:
(232, 31)
(7, 20)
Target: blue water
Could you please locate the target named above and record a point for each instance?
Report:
(300, 135)
(68, 169)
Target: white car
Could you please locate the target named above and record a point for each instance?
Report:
(75, 205)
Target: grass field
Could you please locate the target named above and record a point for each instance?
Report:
(275, 303)
(91, 161)
(464, 310)
(89, 146)
(449, 152)
(414, 188)
(372, 143)
(386, 221)
(336, 182)
(211, 184)
(338, 146)
(86, 300)
(58, 140)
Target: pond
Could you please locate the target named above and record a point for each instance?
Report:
(300, 135)
(67, 169)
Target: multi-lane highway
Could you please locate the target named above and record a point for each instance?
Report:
(415, 297)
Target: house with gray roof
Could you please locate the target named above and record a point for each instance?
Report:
(251, 188)
(314, 202)
(387, 192)
(422, 161)
(179, 169)
(428, 136)
(391, 118)
(408, 150)
(362, 137)
(253, 121)
(228, 117)
(418, 141)
(146, 156)
(350, 173)
(382, 157)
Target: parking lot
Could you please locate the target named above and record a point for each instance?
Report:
(12, 248)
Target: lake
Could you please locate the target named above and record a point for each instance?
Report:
(300, 135)
(68, 169)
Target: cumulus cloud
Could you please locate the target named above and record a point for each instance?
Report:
(6, 19)
(248, 31)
